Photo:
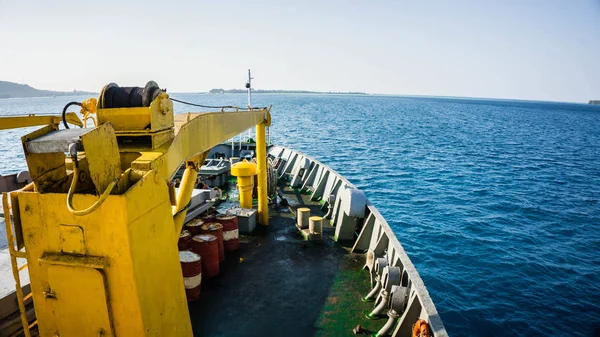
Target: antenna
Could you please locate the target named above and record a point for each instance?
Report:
(249, 87)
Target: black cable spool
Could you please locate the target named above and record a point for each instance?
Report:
(113, 96)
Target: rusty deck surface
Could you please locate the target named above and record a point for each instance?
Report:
(280, 285)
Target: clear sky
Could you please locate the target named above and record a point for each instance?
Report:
(541, 50)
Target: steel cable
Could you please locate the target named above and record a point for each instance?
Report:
(205, 106)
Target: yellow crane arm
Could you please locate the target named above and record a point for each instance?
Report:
(14, 122)
(196, 133)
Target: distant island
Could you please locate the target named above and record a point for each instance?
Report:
(15, 90)
(595, 102)
(260, 91)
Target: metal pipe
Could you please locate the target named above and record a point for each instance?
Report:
(329, 208)
(371, 295)
(188, 182)
(391, 322)
(385, 300)
(95, 205)
(261, 159)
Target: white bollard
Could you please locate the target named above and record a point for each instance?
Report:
(315, 228)
(302, 216)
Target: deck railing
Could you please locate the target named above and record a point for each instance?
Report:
(375, 236)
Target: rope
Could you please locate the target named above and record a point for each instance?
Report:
(205, 106)
(271, 178)
(420, 329)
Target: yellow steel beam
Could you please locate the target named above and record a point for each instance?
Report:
(261, 158)
(14, 122)
(188, 182)
(196, 133)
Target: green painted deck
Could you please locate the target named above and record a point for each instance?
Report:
(280, 285)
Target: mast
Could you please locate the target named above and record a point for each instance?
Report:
(249, 87)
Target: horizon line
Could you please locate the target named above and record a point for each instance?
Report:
(336, 92)
(361, 93)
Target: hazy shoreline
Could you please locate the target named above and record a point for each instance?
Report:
(16, 90)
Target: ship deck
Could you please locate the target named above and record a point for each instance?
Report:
(280, 285)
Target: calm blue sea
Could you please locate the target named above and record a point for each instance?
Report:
(496, 202)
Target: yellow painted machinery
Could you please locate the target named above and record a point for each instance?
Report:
(100, 222)
(14, 122)
(245, 172)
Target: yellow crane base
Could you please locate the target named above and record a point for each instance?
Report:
(109, 265)
(107, 273)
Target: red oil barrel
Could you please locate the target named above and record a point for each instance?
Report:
(191, 266)
(185, 240)
(207, 246)
(231, 235)
(194, 226)
(215, 229)
(208, 217)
